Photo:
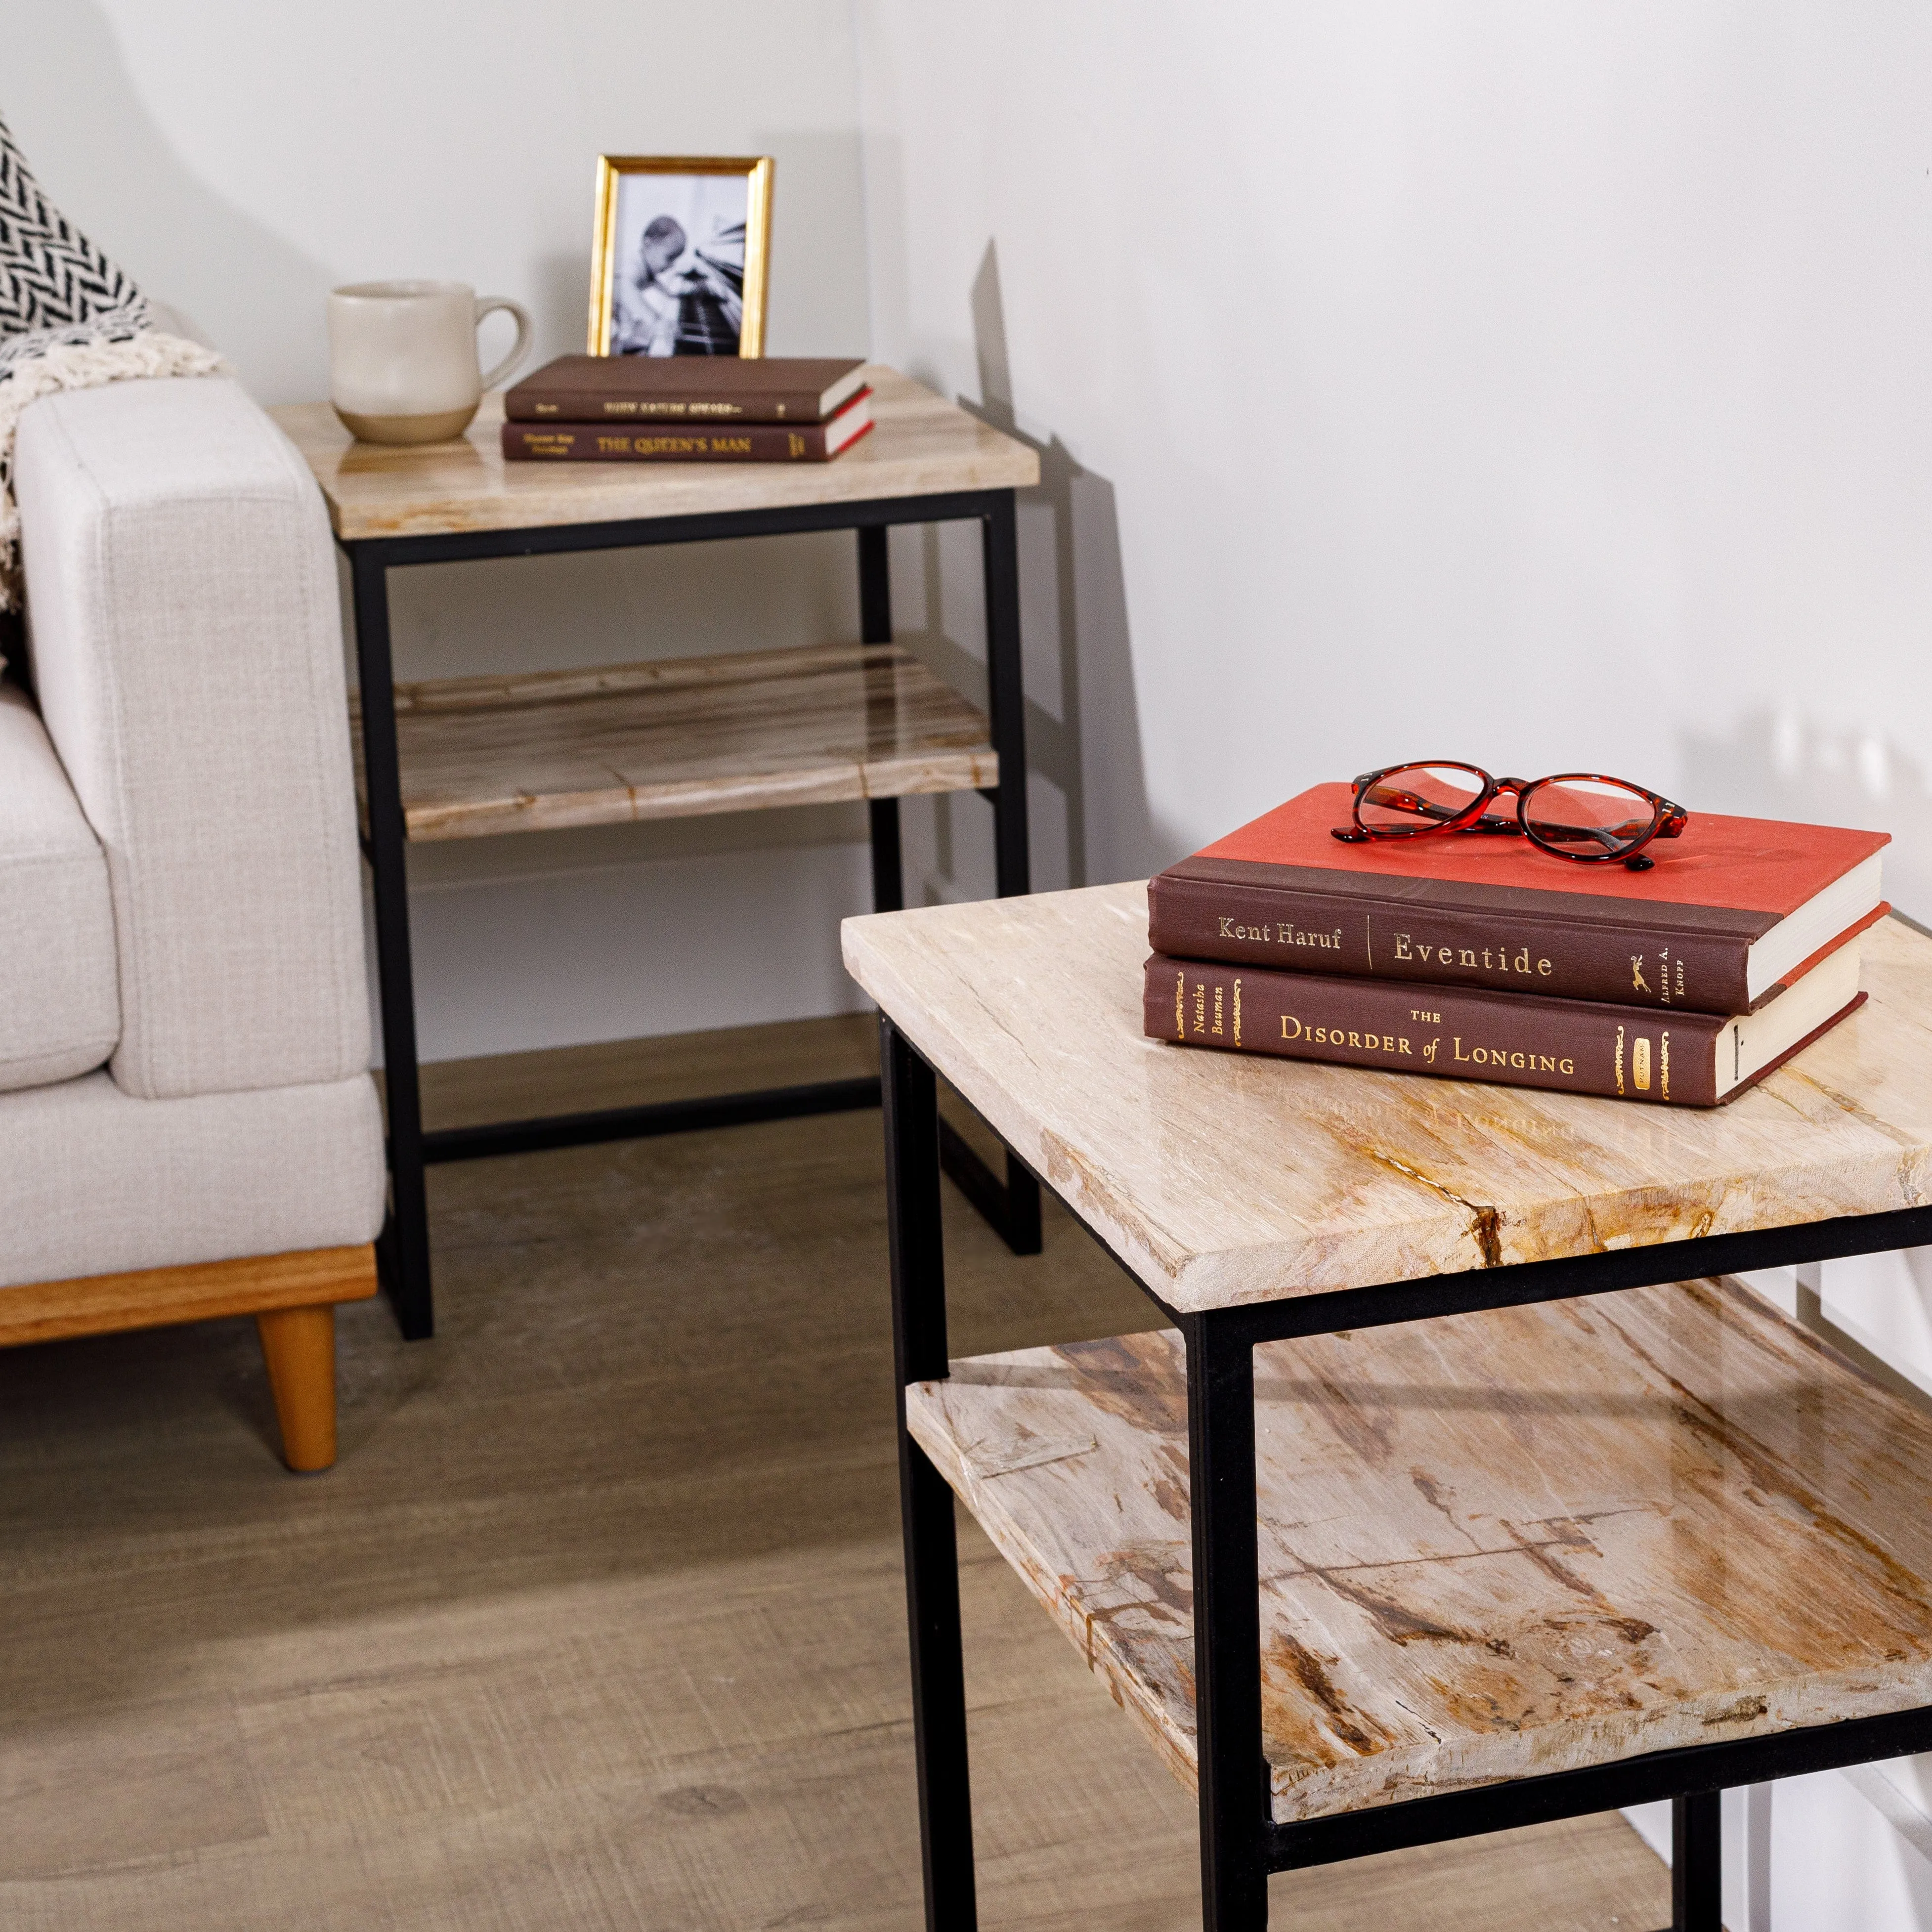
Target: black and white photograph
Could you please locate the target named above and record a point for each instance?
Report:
(682, 247)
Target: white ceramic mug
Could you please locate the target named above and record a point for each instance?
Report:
(402, 358)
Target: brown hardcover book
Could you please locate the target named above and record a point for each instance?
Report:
(1734, 912)
(1461, 1033)
(686, 388)
(743, 442)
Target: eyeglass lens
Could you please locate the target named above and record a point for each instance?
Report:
(1589, 818)
(1415, 797)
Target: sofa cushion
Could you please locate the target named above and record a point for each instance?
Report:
(93, 1181)
(60, 1003)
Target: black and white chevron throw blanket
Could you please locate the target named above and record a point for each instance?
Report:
(70, 319)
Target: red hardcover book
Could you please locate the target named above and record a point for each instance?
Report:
(1732, 913)
(742, 442)
(1464, 1033)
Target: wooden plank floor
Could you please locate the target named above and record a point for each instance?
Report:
(598, 1622)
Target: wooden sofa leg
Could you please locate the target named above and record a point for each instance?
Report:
(299, 1345)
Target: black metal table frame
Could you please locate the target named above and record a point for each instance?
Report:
(1011, 1204)
(1240, 1842)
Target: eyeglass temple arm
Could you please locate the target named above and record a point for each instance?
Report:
(1603, 834)
(1409, 801)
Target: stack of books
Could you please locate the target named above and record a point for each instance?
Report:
(1483, 958)
(691, 409)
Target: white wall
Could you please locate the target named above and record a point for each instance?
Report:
(1550, 387)
(1546, 386)
(240, 160)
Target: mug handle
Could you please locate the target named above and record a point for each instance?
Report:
(488, 305)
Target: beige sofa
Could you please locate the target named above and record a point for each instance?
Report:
(188, 1127)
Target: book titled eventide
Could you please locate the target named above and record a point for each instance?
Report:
(1463, 1033)
(686, 388)
(1733, 914)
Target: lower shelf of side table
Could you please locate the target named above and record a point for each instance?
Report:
(680, 737)
(1491, 1546)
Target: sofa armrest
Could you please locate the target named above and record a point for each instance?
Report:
(185, 633)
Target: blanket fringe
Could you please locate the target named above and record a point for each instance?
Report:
(79, 365)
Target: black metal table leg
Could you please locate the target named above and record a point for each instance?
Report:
(1012, 866)
(875, 627)
(1696, 1863)
(875, 585)
(1006, 696)
(888, 867)
(404, 1248)
(1235, 1806)
(926, 1502)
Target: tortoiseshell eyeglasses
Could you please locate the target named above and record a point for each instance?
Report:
(1579, 815)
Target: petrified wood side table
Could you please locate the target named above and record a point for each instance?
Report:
(1369, 1578)
(470, 757)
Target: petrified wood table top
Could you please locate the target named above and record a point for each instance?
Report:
(1223, 1178)
(1678, 1520)
(919, 446)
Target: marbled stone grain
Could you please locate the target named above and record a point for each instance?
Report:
(919, 446)
(1225, 1178)
(676, 737)
(1491, 1546)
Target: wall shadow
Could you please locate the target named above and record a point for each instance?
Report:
(72, 105)
(1075, 585)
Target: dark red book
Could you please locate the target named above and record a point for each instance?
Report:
(685, 389)
(1732, 913)
(1463, 1033)
(742, 442)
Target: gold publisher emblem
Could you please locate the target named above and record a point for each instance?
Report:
(1640, 1063)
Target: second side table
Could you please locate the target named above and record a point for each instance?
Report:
(471, 757)
(1366, 1577)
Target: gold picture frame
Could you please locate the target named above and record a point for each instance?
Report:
(643, 299)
